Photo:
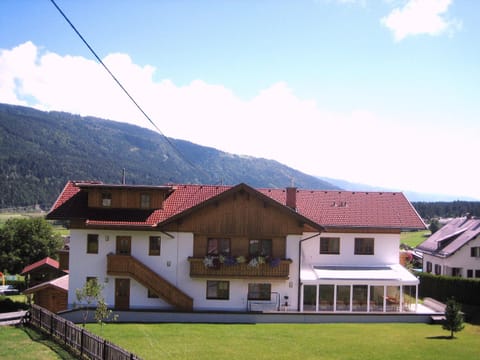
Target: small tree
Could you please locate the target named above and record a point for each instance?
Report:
(453, 317)
(103, 313)
(89, 294)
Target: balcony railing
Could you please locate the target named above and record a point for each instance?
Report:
(281, 270)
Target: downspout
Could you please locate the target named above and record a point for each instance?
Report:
(300, 266)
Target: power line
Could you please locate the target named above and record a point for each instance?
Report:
(122, 87)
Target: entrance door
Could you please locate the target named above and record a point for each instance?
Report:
(122, 294)
(124, 245)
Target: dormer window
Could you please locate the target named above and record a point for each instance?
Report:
(106, 199)
(145, 201)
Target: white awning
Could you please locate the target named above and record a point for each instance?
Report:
(367, 275)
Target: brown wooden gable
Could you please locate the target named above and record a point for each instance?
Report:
(241, 211)
(240, 214)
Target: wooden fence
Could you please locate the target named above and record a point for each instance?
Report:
(79, 340)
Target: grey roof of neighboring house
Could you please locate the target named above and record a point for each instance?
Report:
(451, 237)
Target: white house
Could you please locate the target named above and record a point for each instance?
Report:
(236, 248)
(454, 250)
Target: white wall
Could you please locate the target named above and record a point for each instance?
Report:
(83, 265)
(173, 265)
(386, 250)
(460, 259)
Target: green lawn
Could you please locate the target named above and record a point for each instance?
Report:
(414, 238)
(17, 343)
(293, 341)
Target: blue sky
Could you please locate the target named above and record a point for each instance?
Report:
(383, 92)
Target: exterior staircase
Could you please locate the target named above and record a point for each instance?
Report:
(127, 265)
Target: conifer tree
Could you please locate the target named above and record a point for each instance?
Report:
(453, 317)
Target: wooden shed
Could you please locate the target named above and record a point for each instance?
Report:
(51, 295)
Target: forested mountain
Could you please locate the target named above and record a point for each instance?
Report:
(40, 151)
(444, 209)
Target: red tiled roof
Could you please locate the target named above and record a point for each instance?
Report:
(325, 208)
(335, 208)
(60, 283)
(46, 261)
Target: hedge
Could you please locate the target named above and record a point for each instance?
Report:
(465, 291)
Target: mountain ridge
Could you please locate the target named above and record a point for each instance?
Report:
(40, 151)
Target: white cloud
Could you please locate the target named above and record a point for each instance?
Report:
(421, 17)
(359, 146)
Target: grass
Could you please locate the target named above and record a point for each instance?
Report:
(414, 238)
(18, 215)
(18, 298)
(18, 343)
(293, 341)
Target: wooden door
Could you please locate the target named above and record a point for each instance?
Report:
(124, 245)
(122, 294)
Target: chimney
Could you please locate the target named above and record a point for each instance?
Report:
(292, 197)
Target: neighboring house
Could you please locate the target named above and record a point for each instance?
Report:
(454, 250)
(51, 295)
(43, 270)
(236, 248)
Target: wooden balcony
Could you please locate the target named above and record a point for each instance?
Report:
(239, 271)
(126, 265)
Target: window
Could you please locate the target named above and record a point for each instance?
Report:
(145, 201)
(217, 246)
(106, 199)
(429, 267)
(329, 245)
(92, 279)
(363, 246)
(477, 273)
(151, 295)
(259, 291)
(260, 248)
(438, 269)
(154, 246)
(218, 290)
(92, 244)
(469, 273)
(475, 251)
(456, 271)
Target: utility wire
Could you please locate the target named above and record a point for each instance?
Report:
(121, 86)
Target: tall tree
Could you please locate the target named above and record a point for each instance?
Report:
(25, 241)
(453, 317)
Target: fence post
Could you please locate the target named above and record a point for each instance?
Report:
(51, 325)
(65, 331)
(104, 353)
(81, 343)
